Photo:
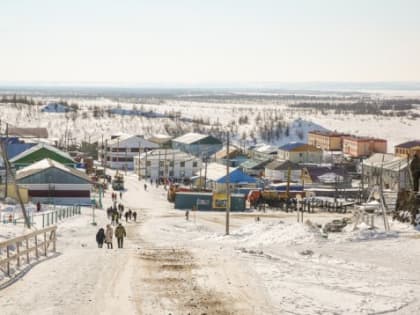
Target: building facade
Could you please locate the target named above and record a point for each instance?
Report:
(278, 171)
(297, 152)
(197, 144)
(166, 163)
(363, 146)
(408, 149)
(119, 152)
(326, 140)
(51, 182)
(389, 169)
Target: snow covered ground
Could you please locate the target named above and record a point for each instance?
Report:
(173, 266)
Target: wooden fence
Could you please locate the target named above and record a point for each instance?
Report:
(36, 243)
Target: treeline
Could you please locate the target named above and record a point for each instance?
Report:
(15, 99)
(383, 107)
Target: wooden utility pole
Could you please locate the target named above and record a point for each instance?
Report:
(5, 158)
(139, 160)
(227, 186)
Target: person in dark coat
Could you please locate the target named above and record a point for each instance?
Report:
(126, 216)
(100, 237)
(415, 171)
(134, 216)
(120, 234)
(38, 206)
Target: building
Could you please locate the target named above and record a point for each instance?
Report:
(392, 168)
(326, 175)
(408, 149)
(277, 171)
(264, 151)
(326, 140)
(363, 146)
(39, 152)
(216, 177)
(166, 163)
(120, 151)
(298, 152)
(28, 132)
(197, 144)
(164, 141)
(49, 181)
(236, 156)
(255, 167)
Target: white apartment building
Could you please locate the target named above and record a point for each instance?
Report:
(166, 163)
(120, 151)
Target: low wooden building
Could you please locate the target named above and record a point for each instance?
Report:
(389, 169)
(298, 152)
(277, 171)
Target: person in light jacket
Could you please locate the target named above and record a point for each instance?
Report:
(108, 236)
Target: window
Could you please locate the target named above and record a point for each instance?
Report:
(171, 163)
(161, 163)
(135, 149)
(171, 173)
(148, 163)
(195, 164)
(182, 164)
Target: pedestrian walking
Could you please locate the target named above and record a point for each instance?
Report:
(120, 234)
(145, 187)
(129, 213)
(120, 194)
(100, 237)
(187, 215)
(134, 216)
(108, 236)
(38, 206)
(126, 217)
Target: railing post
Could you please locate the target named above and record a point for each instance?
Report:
(27, 251)
(18, 254)
(36, 247)
(8, 261)
(45, 244)
(43, 219)
(54, 239)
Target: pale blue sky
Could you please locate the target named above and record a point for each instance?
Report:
(186, 41)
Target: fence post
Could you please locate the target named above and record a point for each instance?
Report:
(8, 261)
(45, 244)
(54, 239)
(18, 253)
(36, 247)
(27, 251)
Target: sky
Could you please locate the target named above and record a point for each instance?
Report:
(217, 41)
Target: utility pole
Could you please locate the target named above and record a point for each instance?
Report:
(227, 186)
(5, 158)
(139, 160)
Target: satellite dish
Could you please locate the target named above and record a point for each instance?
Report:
(376, 195)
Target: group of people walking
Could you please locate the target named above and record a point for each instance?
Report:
(106, 236)
(115, 213)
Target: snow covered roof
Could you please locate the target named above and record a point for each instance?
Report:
(266, 148)
(291, 146)
(190, 138)
(131, 141)
(46, 164)
(39, 147)
(159, 154)
(216, 171)
(255, 163)
(386, 160)
(233, 151)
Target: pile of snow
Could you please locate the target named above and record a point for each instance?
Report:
(271, 233)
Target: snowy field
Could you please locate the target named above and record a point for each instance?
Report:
(173, 266)
(247, 119)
